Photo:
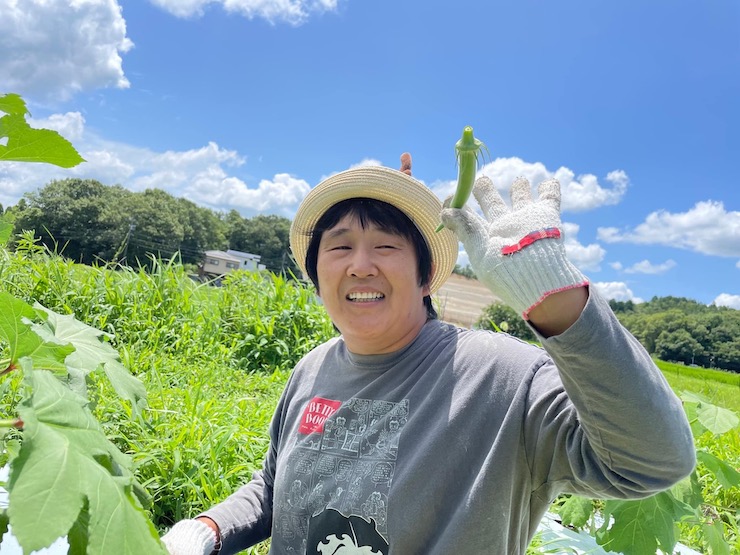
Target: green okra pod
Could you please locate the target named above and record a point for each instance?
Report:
(467, 151)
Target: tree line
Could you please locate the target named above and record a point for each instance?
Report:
(674, 329)
(90, 222)
(678, 329)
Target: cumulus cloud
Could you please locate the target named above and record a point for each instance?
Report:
(579, 193)
(51, 50)
(707, 228)
(205, 175)
(293, 12)
(725, 299)
(585, 257)
(617, 291)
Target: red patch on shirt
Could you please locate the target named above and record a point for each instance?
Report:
(315, 414)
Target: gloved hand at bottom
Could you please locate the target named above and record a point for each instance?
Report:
(190, 537)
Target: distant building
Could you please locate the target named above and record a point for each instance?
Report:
(220, 263)
(248, 261)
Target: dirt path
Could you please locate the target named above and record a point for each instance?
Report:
(461, 300)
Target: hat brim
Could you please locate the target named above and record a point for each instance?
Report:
(394, 187)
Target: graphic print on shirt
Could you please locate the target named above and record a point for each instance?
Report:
(340, 473)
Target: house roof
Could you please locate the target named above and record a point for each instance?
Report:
(221, 255)
(240, 254)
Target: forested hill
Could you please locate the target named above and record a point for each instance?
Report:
(683, 330)
(88, 222)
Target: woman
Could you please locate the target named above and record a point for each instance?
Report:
(407, 435)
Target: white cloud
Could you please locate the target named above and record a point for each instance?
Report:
(53, 49)
(616, 290)
(737, 265)
(725, 299)
(585, 257)
(366, 162)
(646, 267)
(69, 125)
(204, 175)
(294, 12)
(707, 228)
(579, 193)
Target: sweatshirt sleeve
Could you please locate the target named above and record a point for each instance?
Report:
(601, 419)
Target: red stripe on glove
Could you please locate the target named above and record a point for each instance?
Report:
(548, 233)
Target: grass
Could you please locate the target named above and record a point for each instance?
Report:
(720, 387)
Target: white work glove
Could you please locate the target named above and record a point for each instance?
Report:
(517, 251)
(190, 537)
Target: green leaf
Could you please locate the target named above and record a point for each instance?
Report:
(640, 527)
(716, 419)
(77, 536)
(697, 428)
(576, 511)
(26, 144)
(24, 342)
(726, 475)
(715, 535)
(68, 472)
(12, 103)
(689, 491)
(90, 353)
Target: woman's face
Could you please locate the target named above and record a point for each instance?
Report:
(369, 284)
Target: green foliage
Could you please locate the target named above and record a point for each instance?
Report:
(501, 317)
(682, 330)
(67, 474)
(26, 144)
(641, 527)
(94, 222)
(90, 222)
(268, 236)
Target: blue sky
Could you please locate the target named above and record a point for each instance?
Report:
(247, 104)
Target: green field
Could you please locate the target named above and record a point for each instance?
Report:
(721, 388)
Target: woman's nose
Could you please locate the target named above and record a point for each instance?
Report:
(361, 263)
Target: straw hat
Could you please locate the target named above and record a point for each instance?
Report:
(392, 186)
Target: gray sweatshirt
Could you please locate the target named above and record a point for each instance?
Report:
(459, 442)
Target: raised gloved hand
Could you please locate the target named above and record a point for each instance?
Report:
(517, 251)
(190, 537)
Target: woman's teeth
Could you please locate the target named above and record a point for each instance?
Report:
(362, 297)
